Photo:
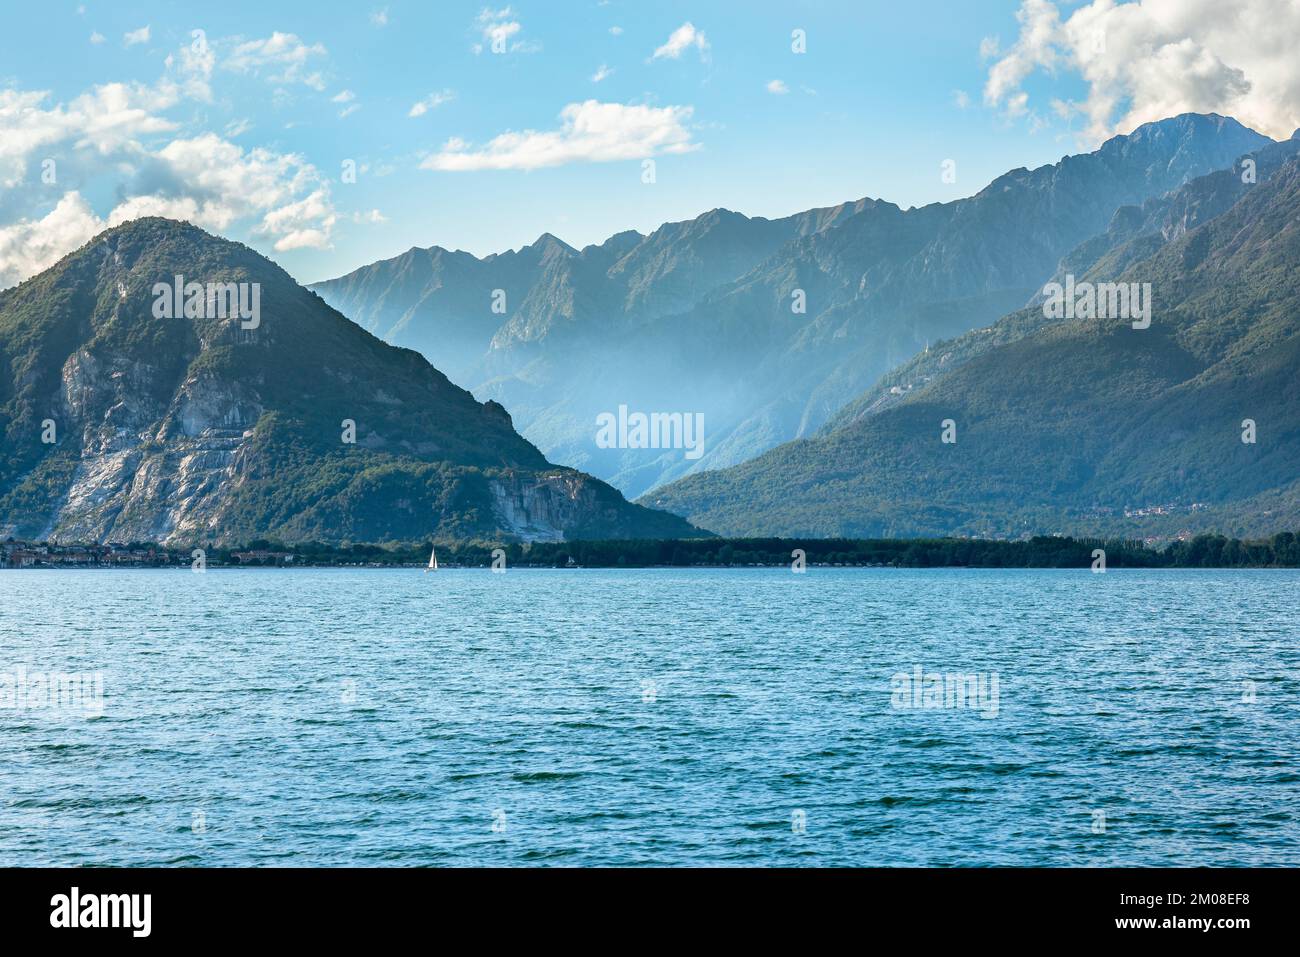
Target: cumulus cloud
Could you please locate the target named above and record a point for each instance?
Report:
(105, 119)
(1149, 59)
(305, 224)
(30, 245)
(431, 102)
(25, 128)
(232, 183)
(380, 17)
(136, 36)
(194, 68)
(681, 40)
(114, 115)
(115, 133)
(281, 57)
(778, 87)
(590, 132)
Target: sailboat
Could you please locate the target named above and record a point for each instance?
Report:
(433, 562)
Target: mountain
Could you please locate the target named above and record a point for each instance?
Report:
(700, 316)
(122, 423)
(1134, 233)
(1080, 426)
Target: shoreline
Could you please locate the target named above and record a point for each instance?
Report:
(633, 568)
(1282, 550)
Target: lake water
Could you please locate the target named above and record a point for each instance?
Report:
(638, 717)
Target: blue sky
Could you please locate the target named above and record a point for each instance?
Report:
(247, 128)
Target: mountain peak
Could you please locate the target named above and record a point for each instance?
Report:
(208, 424)
(1209, 126)
(548, 241)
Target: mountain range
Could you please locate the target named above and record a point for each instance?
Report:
(1084, 425)
(703, 316)
(128, 415)
(926, 388)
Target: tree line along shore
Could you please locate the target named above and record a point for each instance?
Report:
(1281, 550)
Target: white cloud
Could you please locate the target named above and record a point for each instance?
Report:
(136, 36)
(379, 17)
(115, 114)
(282, 56)
(225, 183)
(305, 224)
(961, 98)
(498, 29)
(1149, 59)
(590, 132)
(616, 31)
(24, 128)
(778, 87)
(195, 68)
(30, 245)
(373, 216)
(111, 133)
(347, 98)
(431, 102)
(603, 72)
(96, 37)
(105, 120)
(681, 40)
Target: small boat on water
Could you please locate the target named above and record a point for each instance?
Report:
(433, 562)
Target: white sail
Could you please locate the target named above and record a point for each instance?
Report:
(433, 561)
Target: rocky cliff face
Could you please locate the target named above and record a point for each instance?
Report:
(120, 423)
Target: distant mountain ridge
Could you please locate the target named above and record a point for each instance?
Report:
(1085, 426)
(698, 316)
(122, 424)
(1135, 233)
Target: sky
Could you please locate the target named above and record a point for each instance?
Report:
(328, 136)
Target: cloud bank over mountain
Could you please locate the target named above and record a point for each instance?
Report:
(133, 136)
(1150, 59)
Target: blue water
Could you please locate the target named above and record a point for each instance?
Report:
(668, 717)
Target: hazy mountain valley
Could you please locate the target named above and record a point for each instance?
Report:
(701, 316)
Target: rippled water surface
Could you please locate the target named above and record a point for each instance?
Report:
(631, 717)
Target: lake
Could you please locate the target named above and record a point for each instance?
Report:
(650, 717)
